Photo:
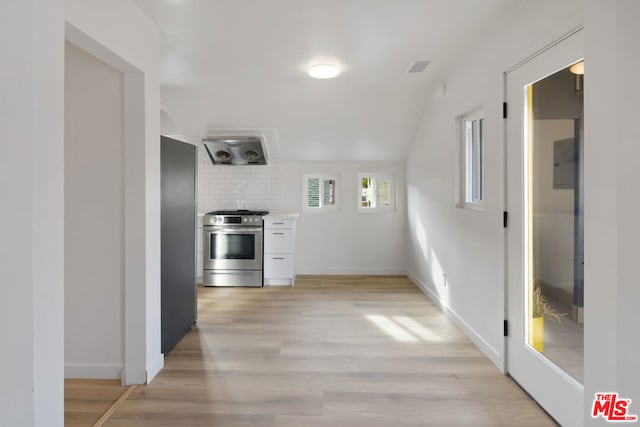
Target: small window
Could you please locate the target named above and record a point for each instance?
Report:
(472, 149)
(319, 192)
(377, 192)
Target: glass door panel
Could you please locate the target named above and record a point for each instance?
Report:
(555, 121)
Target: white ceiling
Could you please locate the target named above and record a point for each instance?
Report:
(229, 64)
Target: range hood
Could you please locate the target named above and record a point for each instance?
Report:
(235, 150)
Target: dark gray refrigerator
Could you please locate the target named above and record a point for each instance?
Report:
(178, 245)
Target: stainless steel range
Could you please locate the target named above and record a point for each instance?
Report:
(233, 248)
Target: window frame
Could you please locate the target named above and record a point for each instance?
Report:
(392, 189)
(472, 165)
(305, 192)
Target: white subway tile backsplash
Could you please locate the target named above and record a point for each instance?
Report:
(241, 187)
(238, 187)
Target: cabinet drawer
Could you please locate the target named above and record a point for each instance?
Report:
(278, 223)
(278, 241)
(278, 266)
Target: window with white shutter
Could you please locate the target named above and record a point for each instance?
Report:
(377, 192)
(319, 192)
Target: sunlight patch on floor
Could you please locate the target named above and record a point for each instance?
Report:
(391, 328)
(417, 329)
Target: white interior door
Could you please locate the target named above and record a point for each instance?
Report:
(543, 237)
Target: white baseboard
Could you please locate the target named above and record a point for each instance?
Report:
(154, 367)
(357, 271)
(97, 371)
(270, 281)
(135, 376)
(492, 354)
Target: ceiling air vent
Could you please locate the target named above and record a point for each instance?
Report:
(419, 66)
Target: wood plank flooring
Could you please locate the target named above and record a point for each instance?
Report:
(332, 351)
(86, 400)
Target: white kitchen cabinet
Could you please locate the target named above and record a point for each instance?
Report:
(279, 249)
(279, 241)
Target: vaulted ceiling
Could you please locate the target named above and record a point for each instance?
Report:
(242, 64)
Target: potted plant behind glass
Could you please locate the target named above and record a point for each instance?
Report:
(541, 309)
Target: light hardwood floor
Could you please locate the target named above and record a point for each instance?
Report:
(86, 400)
(332, 351)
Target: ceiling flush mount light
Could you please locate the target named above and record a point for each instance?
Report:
(324, 71)
(577, 68)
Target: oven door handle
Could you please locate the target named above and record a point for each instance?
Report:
(234, 230)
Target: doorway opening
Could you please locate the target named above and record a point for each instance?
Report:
(121, 177)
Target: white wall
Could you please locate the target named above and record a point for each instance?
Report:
(32, 156)
(94, 217)
(132, 46)
(467, 245)
(31, 217)
(347, 241)
(341, 242)
(612, 173)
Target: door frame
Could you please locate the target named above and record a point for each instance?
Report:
(141, 362)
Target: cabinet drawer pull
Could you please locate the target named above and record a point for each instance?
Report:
(278, 223)
(277, 257)
(278, 234)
